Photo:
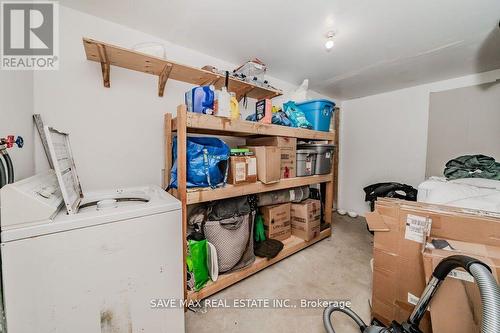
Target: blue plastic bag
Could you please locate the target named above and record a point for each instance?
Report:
(295, 115)
(280, 118)
(206, 160)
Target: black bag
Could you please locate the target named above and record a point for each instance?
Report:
(389, 190)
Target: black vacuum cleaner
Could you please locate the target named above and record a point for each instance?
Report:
(488, 288)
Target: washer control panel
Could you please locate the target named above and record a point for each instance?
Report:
(33, 199)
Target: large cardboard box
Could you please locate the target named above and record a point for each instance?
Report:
(267, 160)
(288, 147)
(277, 221)
(401, 228)
(306, 219)
(457, 305)
(242, 170)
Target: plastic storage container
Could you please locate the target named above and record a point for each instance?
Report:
(306, 162)
(201, 99)
(318, 112)
(324, 156)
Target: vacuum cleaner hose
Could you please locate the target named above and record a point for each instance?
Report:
(490, 297)
(3, 175)
(10, 168)
(488, 289)
(334, 307)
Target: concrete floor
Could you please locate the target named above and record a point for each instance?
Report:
(337, 268)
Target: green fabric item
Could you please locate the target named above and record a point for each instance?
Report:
(260, 234)
(196, 262)
(472, 166)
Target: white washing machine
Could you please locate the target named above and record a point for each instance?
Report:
(94, 266)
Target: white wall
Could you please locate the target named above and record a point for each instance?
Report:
(384, 138)
(16, 110)
(474, 113)
(116, 133)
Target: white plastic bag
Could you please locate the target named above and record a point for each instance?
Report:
(300, 94)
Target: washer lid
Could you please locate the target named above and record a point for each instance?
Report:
(64, 166)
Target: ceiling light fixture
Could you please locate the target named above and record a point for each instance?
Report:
(330, 36)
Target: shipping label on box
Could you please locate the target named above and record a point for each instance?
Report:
(242, 170)
(461, 275)
(417, 228)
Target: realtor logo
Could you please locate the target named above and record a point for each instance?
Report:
(30, 35)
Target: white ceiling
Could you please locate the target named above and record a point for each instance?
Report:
(381, 45)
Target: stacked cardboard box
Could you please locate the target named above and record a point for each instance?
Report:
(288, 148)
(277, 221)
(401, 228)
(306, 219)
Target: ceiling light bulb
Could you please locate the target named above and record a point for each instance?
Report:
(330, 35)
(329, 44)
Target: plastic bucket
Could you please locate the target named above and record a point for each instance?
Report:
(318, 112)
(324, 157)
(306, 162)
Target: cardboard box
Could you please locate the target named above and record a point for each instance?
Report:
(401, 228)
(288, 148)
(277, 221)
(274, 141)
(242, 170)
(457, 305)
(267, 160)
(306, 219)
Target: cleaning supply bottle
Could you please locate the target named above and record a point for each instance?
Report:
(235, 108)
(224, 100)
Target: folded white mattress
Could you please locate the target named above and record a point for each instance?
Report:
(473, 193)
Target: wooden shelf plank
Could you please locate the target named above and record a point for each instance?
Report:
(292, 245)
(229, 191)
(137, 61)
(208, 124)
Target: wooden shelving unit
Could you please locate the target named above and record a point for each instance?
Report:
(187, 122)
(111, 55)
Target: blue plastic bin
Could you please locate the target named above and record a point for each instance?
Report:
(318, 112)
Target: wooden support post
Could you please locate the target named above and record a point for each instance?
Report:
(162, 80)
(182, 178)
(336, 158)
(168, 149)
(105, 67)
(332, 184)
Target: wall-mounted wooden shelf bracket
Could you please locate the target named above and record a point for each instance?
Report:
(105, 67)
(108, 54)
(162, 79)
